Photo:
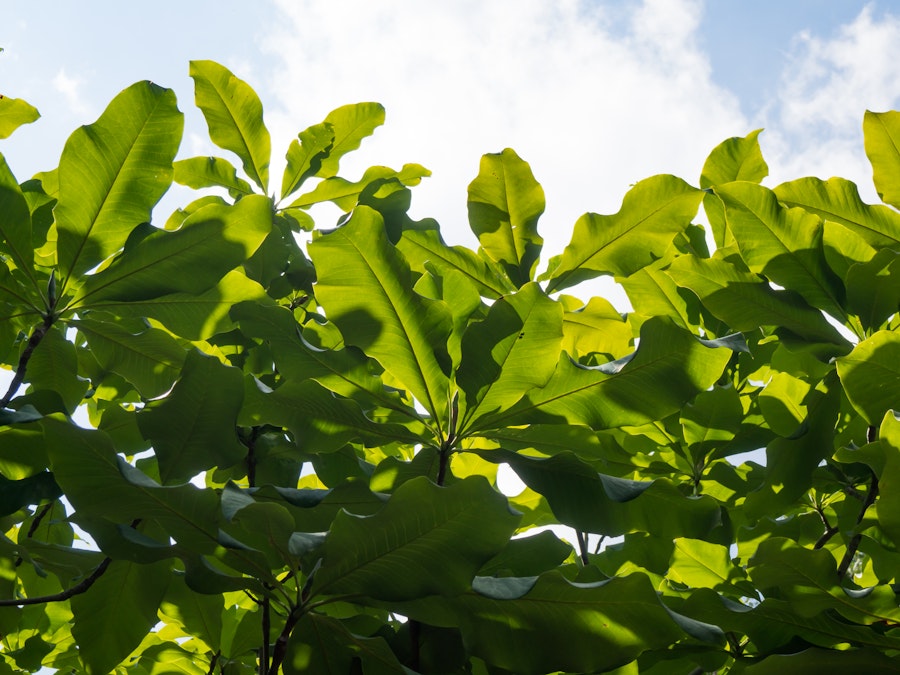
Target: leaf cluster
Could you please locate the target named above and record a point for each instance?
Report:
(224, 450)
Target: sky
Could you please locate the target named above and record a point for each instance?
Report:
(594, 94)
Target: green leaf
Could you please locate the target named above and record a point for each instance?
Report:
(391, 555)
(54, 367)
(14, 494)
(193, 316)
(364, 285)
(112, 173)
(873, 288)
(808, 580)
(838, 200)
(783, 245)
(882, 142)
(150, 360)
(528, 556)
(736, 159)
(700, 564)
(204, 172)
(593, 502)
(712, 419)
(514, 349)
(745, 302)
(193, 428)
(627, 391)
(234, 116)
(427, 246)
(212, 242)
(14, 112)
(304, 156)
(653, 212)
(814, 661)
(345, 193)
(596, 328)
(871, 375)
(653, 292)
(15, 221)
(546, 624)
(351, 124)
(505, 203)
(114, 615)
(321, 644)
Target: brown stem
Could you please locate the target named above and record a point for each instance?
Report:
(853, 546)
(829, 532)
(266, 628)
(33, 341)
(280, 649)
(77, 589)
(249, 442)
(213, 662)
(582, 547)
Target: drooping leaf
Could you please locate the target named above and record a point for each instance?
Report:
(212, 242)
(652, 213)
(112, 173)
(234, 116)
(593, 502)
(576, 627)
(15, 221)
(391, 555)
(304, 156)
(150, 360)
(193, 428)
(115, 614)
(364, 285)
(351, 124)
(204, 172)
(345, 194)
(873, 288)
(514, 349)
(838, 200)
(505, 203)
(14, 112)
(871, 375)
(745, 302)
(625, 392)
(14, 494)
(882, 142)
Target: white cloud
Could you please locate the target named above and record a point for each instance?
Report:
(829, 82)
(593, 97)
(70, 88)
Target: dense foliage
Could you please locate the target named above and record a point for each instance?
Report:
(292, 457)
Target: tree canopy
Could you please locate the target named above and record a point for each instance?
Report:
(223, 450)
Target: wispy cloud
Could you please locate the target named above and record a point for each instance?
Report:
(593, 97)
(70, 88)
(816, 122)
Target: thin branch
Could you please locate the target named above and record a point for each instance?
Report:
(35, 524)
(853, 545)
(33, 341)
(582, 547)
(264, 648)
(213, 662)
(77, 589)
(829, 532)
(280, 649)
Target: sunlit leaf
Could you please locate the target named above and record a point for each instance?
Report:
(14, 112)
(882, 141)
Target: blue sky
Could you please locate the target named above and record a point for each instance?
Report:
(595, 95)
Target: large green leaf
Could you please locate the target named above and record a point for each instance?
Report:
(535, 625)
(745, 302)
(838, 200)
(201, 615)
(596, 328)
(14, 112)
(234, 116)
(345, 193)
(514, 349)
(351, 124)
(115, 614)
(505, 203)
(54, 368)
(193, 428)
(150, 360)
(112, 173)
(365, 287)
(213, 241)
(393, 554)
(871, 375)
(873, 288)
(593, 502)
(782, 244)
(652, 213)
(628, 391)
(882, 141)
